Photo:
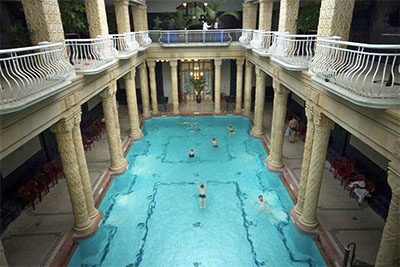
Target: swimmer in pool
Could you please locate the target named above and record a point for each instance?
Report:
(202, 193)
(262, 204)
(191, 153)
(185, 122)
(215, 143)
(231, 130)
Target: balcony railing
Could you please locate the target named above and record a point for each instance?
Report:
(246, 37)
(125, 44)
(261, 42)
(143, 39)
(30, 74)
(195, 38)
(91, 56)
(367, 75)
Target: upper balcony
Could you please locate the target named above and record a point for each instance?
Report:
(30, 74)
(195, 38)
(142, 37)
(367, 75)
(246, 37)
(261, 42)
(125, 44)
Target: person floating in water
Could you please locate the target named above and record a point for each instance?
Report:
(191, 153)
(231, 130)
(185, 122)
(202, 193)
(262, 204)
(215, 143)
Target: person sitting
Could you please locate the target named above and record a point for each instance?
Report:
(231, 130)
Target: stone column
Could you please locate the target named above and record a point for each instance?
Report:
(217, 98)
(130, 87)
(248, 88)
(116, 125)
(257, 130)
(44, 21)
(335, 18)
(265, 19)
(93, 213)
(239, 84)
(298, 208)
(174, 83)
(139, 13)
(66, 147)
(389, 249)
(288, 14)
(144, 89)
(249, 16)
(308, 220)
(96, 17)
(153, 86)
(122, 15)
(274, 160)
(114, 142)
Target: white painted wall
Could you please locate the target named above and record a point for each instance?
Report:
(19, 156)
(370, 153)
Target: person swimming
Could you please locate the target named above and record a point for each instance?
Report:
(214, 142)
(202, 193)
(262, 204)
(185, 122)
(191, 153)
(231, 130)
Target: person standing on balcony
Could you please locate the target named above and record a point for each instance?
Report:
(217, 24)
(206, 26)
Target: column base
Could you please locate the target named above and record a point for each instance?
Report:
(176, 112)
(82, 229)
(216, 112)
(256, 135)
(297, 209)
(307, 226)
(296, 221)
(93, 226)
(120, 169)
(95, 215)
(136, 136)
(146, 116)
(155, 113)
(273, 167)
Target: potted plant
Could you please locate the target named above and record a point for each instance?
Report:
(198, 85)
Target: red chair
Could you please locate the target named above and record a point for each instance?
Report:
(358, 177)
(102, 125)
(35, 187)
(369, 186)
(51, 174)
(87, 143)
(27, 196)
(338, 163)
(344, 172)
(94, 132)
(56, 163)
(40, 178)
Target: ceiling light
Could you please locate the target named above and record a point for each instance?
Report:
(184, 4)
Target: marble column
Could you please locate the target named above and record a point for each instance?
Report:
(153, 86)
(44, 21)
(335, 18)
(305, 167)
(118, 165)
(322, 129)
(144, 89)
(274, 160)
(66, 147)
(288, 13)
(122, 15)
(257, 130)
(139, 13)
(217, 98)
(134, 122)
(265, 18)
(123, 161)
(247, 88)
(249, 16)
(96, 17)
(174, 84)
(93, 213)
(239, 84)
(389, 249)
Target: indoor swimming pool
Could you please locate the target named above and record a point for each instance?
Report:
(151, 214)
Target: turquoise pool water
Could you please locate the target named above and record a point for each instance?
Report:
(152, 215)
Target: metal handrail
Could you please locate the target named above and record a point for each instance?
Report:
(125, 44)
(195, 37)
(262, 40)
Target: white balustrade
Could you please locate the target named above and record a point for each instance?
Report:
(262, 41)
(195, 38)
(91, 56)
(365, 74)
(245, 39)
(125, 44)
(143, 39)
(30, 74)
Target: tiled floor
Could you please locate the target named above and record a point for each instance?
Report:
(35, 236)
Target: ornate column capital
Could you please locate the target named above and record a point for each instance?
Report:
(121, 2)
(249, 64)
(173, 63)
(248, 4)
(77, 117)
(239, 61)
(108, 92)
(140, 7)
(130, 75)
(321, 120)
(279, 88)
(151, 63)
(218, 62)
(64, 125)
(266, 1)
(142, 65)
(260, 72)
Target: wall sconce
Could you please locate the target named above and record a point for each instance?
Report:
(184, 4)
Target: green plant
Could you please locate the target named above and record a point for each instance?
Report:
(73, 16)
(18, 34)
(180, 21)
(308, 18)
(157, 23)
(198, 84)
(210, 12)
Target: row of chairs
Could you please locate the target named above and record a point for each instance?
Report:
(95, 132)
(349, 178)
(34, 188)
